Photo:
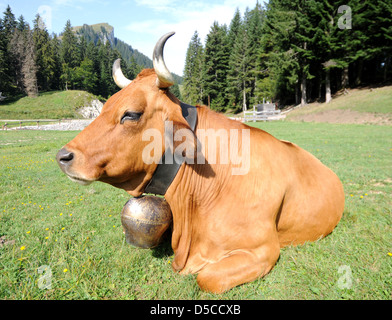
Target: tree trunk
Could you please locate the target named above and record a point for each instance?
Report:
(328, 97)
(297, 89)
(345, 78)
(244, 98)
(303, 90)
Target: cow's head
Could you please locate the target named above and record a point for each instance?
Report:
(111, 148)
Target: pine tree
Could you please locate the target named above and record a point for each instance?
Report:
(69, 55)
(321, 23)
(7, 62)
(234, 28)
(239, 75)
(23, 50)
(4, 78)
(57, 66)
(193, 71)
(69, 47)
(279, 79)
(302, 44)
(9, 23)
(236, 42)
(29, 68)
(216, 59)
(45, 55)
(17, 54)
(253, 21)
(243, 63)
(106, 57)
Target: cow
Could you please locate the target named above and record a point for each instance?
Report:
(228, 227)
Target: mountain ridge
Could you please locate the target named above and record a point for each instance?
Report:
(104, 32)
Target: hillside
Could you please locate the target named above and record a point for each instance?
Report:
(366, 105)
(48, 105)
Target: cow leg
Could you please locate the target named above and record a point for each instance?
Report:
(238, 268)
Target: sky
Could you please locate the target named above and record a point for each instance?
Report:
(139, 23)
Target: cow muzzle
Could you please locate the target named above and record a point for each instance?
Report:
(65, 159)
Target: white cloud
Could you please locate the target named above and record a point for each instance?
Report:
(183, 17)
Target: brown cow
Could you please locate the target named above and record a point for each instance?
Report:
(227, 227)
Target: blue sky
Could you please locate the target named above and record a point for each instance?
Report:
(139, 23)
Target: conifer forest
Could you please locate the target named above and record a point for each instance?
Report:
(288, 52)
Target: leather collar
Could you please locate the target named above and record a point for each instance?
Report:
(166, 172)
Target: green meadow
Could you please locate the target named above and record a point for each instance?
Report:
(59, 240)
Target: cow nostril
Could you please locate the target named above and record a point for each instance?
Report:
(64, 157)
(67, 157)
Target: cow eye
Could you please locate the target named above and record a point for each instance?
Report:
(131, 116)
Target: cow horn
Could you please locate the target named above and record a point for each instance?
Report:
(118, 76)
(165, 78)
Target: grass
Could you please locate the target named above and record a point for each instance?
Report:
(49, 105)
(75, 231)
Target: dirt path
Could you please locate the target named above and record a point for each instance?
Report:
(69, 125)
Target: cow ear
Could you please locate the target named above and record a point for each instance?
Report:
(182, 140)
